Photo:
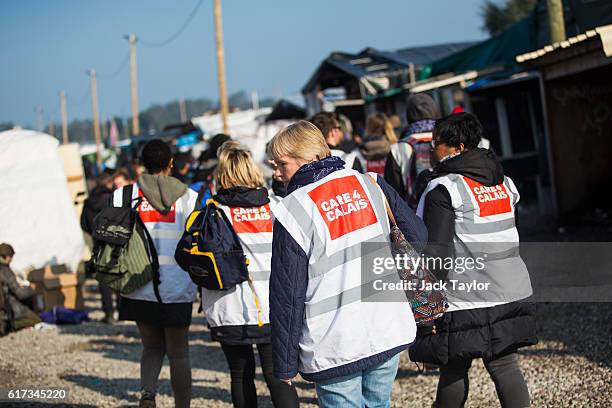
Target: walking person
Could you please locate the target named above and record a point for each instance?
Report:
(239, 317)
(348, 347)
(469, 206)
(332, 131)
(162, 312)
(377, 143)
(412, 154)
(202, 181)
(97, 200)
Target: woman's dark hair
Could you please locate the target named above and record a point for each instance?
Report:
(458, 128)
(156, 156)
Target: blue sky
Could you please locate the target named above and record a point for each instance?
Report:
(271, 46)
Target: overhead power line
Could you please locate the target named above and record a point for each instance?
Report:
(77, 102)
(177, 33)
(118, 70)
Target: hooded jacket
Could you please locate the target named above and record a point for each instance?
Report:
(289, 279)
(486, 332)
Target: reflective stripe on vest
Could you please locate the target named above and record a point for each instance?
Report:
(330, 220)
(485, 228)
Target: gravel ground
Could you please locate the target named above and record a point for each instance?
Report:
(98, 364)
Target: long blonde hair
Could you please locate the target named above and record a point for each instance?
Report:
(378, 124)
(236, 167)
(301, 140)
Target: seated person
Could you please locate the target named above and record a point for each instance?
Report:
(14, 315)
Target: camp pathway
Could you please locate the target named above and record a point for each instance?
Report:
(99, 364)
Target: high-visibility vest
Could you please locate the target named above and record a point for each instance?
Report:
(274, 199)
(166, 230)
(349, 158)
(485, 231)
(246, 303)
(330, 219)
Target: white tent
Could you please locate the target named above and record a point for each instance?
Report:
(37, 216)
(248, 127)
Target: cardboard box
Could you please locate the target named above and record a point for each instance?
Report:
(56, 286)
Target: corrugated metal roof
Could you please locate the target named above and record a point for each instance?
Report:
(427, 54)
(371, 62)
(605, 32)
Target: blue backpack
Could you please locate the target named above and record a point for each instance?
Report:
(210, 251)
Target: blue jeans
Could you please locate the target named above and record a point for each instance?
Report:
(370, 388)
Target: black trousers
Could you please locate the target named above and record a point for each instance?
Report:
(454, 385)
(241, 361)
(107, 300)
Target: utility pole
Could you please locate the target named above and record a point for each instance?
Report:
(221, 64)
(64, 117)
(96, 119)
(134, 82)
(126, 132)
(255, 100)
(183, 110)
(412, 73)
(52, 128)
(556, 21)
(104, 128)
(39, 119)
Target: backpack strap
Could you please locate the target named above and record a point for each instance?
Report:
(204, 188)
(154, 260)
(213, 205)
(128, 191)
(387, 206)
(126, 201)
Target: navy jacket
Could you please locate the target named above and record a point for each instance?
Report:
(289, 279)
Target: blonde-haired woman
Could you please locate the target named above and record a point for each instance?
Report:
(320, 327)
(239, 318)
(379, 136)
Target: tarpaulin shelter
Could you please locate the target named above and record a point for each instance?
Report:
(524, 36)
(38, 217)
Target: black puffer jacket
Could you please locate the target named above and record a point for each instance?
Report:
(475, 333)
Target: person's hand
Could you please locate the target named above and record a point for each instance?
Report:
(22, 281)
(288, 381)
